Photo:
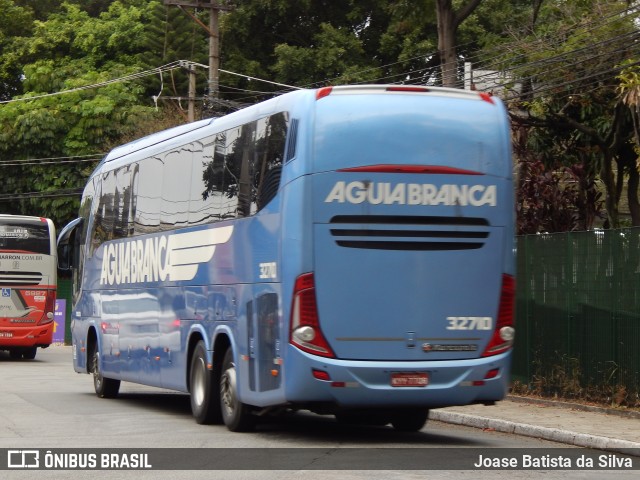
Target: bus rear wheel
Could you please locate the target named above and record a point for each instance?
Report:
(205, 401)
(410, 419)
(370, 417)
(236, 415)
(104, 387)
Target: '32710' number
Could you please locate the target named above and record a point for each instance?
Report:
(469, 323)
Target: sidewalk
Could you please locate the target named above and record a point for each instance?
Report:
(572, 424)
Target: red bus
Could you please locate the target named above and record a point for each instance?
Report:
(28, 269)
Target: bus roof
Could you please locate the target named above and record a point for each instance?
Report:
(22, 218)
(165, 138)
(154, 138)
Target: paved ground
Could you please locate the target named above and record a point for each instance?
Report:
(605, 429)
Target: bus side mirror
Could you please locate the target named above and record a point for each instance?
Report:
(67, 245)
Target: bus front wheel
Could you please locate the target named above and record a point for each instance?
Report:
(29, 353)
(205, 402)
(104, 387)
(236, 415)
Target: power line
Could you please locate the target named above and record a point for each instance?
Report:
(127, 78)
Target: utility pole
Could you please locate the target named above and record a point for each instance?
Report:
(214, 38)
(192, 93)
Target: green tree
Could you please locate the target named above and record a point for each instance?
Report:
(14, 22)
(570, 107)
(65, 53)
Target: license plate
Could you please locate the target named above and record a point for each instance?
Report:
(409, 379)
(6, 334)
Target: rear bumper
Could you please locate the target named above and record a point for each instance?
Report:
(355, 384)
(27, 336)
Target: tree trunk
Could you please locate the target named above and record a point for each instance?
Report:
(606, 174)
(632, 196)
(446, 42)
(448, 21)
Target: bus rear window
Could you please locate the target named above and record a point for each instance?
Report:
(32, 238)
(363, 130)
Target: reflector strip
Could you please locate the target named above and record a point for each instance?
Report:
(427, 169)
(408, 89)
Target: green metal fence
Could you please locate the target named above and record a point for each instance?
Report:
(578, 314)
(64, 292)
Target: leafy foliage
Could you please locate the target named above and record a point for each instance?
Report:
(556, 199)
(65, 53)
(571, 111)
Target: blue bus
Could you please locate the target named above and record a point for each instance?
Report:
(347, 250)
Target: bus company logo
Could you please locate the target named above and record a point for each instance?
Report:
(23, 459)
(413, 194)
(21, 233)
(163, 258)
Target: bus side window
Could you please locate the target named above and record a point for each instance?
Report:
(122, 202)
(245, 159)
(206, 193)
(147, 196)
(102, 228)
(174, 211)
(270, 141)
(133, 198)
(231, 173)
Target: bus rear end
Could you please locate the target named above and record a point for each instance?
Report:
(27, 283)
(404, 296)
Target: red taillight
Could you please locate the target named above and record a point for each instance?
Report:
(503, 334)
(323, 92)
(305, 330)
(487, 97)
(49, 308)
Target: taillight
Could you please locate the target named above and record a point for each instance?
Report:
(487, 98)
(305, 330)
(49, 308)
(504, 333)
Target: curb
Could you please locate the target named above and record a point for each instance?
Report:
(618, 412)
(552, 434)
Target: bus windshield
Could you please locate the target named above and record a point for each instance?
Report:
(18, 236)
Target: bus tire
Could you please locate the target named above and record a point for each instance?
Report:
(29, 353)
(205, 401)
(15, 354)
(236, 415)
(410, 419)
(363, 417)
(104, 387)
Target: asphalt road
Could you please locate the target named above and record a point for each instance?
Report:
(44, 405)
